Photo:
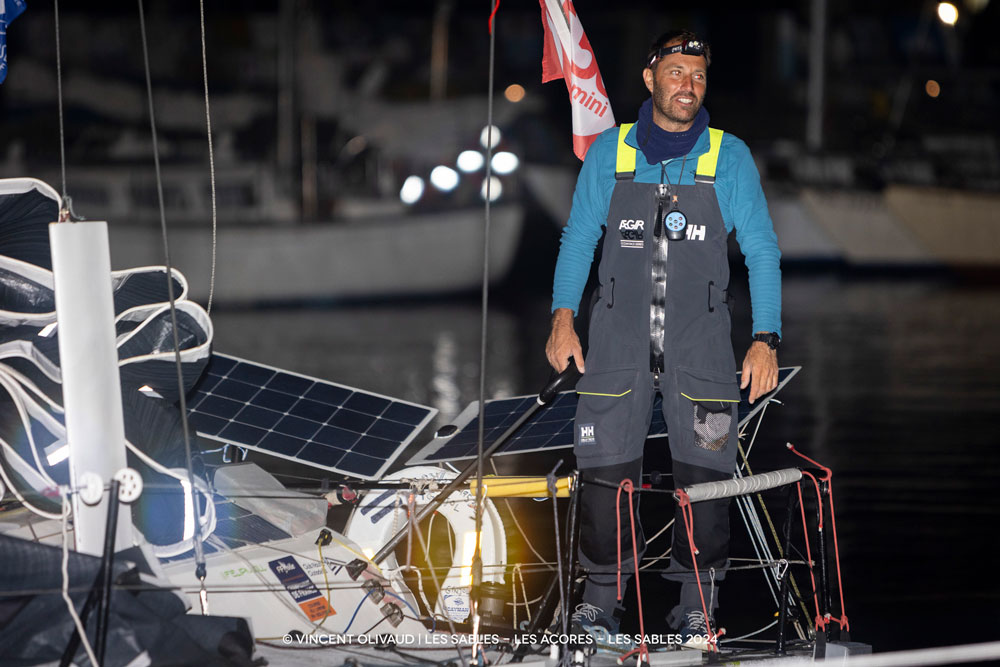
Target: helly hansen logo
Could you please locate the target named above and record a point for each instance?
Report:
(696, 232)
(631, 231)
(587, 436)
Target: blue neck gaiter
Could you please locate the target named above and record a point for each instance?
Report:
(657, 144)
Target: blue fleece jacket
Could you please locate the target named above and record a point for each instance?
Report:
(741, 199)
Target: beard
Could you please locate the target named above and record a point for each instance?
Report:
(667, 105)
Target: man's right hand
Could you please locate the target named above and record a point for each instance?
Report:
(563, 342)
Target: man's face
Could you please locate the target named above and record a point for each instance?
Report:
(677, 83)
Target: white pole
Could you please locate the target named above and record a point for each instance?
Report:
(95, 429)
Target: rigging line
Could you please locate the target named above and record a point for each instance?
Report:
(437, 585)
(506, 502)
(199, 554)
(753, 438)
(481, 435)
(211, 153)
(774, 533)
(81, 631)
(62, 131)
(662, 530)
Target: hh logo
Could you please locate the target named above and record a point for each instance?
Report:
(696, 232)
(631, 231)
(587, 436)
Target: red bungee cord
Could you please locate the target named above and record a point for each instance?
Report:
(820, 625)
(828, 478)
(626, 484)
(684, 501)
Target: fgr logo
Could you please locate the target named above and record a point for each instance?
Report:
(631, 231)
(587, 436)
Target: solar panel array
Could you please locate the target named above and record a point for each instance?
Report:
(550, 428)
(292, 416)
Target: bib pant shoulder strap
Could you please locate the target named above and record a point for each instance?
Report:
(625, 158)
(710, 160)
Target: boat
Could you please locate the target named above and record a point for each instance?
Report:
(270, 569)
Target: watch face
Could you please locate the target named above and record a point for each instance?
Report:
(675, 221)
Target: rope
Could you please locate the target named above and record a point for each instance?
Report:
(81, 631)
(515, 575)
(199, 555)
(481, 435)
(211, 153)
(642, 650)
(777, 544)
(819, 624)
(517, 523)
(828, 478)
(63, 208)
(688, 514)
(563, 602)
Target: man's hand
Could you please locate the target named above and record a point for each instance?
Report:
(760, 370)
(564, 343)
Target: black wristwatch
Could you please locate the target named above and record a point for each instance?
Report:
(772, 339)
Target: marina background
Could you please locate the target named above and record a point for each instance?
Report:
(888, 221)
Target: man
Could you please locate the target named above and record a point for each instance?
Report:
(661, 323)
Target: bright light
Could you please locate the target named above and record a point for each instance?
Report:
(368, 552)
(444, 178)
(469, 161)
(504, 162)
(412, 190)
(947, 12)
(932, 88)
(495, 188)
(493, 137)
(468, 552)
(514, 92)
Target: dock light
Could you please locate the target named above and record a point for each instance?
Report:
(947, 12)
(469, 161)
(932, 88)
(491, 134)
(444, 178)
(496, 189)
(504, 162)
(514, 93)
(412, 190)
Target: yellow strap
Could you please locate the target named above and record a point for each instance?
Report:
(711, 400)
(708, 161)
(594, 393)
(625, 161)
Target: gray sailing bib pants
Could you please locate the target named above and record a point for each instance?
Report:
(661, 324)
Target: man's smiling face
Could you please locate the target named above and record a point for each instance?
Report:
(677, 83)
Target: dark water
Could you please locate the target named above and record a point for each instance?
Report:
(899, 394)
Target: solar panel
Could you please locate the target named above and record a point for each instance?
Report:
(292, 416)
(550, 428)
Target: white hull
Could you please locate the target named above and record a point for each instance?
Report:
(381, 257)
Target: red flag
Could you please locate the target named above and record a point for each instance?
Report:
(568, 56)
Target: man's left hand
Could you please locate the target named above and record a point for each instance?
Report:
(760, 370)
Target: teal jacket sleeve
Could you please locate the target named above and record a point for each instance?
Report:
(588, 215)
(744, 208)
